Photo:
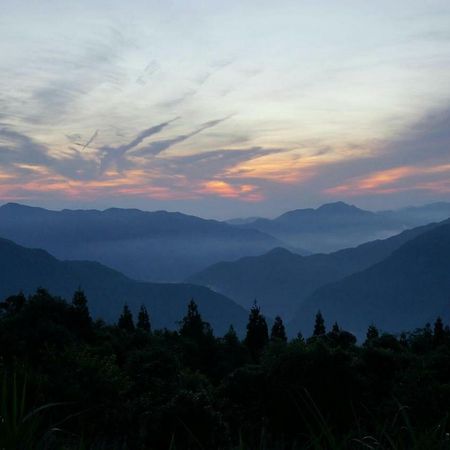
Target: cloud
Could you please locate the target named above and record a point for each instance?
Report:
(419, 151)
(116, 155)
(157, 147)
(220, 188)
(389, 181)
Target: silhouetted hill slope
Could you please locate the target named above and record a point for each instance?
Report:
(407, 289)
(107, 290)
(335, 226)
(281, 280)
(150, 246)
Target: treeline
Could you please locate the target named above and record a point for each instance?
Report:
(71, 382)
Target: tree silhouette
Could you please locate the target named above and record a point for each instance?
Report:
(438, 331)
(143, 322)
(80, 313)
(192, 324)
(335, 329)
(278, 331)
(79, 302)
(231, 338)
(319, 325)
(372, 333)
(257, 332)
(13, 304)
(126, 319)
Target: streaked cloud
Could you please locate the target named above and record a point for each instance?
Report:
(103, 102)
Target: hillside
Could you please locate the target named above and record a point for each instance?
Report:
(23, 269)
(149, 246)
(410, 287)
(338, 225)
(281, 280)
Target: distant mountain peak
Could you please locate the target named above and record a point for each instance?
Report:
(338, 207)
(12, 205)
(279, 251)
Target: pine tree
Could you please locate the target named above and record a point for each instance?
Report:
(192, 325)
(438, 331)
(300, 337)
(335, 329)
(126, 320)
(372, 333)
(80, 313)
(257, 332)
(231, 338)
(143, 322)
(319, 326)
(278, 331)
(79, 302)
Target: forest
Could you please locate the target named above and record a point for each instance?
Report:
(71, 382)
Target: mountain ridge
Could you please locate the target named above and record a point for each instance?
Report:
(25, 269)
(399, 293)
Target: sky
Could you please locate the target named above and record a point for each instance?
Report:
(224, 109)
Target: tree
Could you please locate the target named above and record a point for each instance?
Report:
(143, 322)
(79, 302)
(319, 325)
(257, 332)
(438, 331)
(278, 331)
(231, 338)
(80, 313)
(192, 325)
(335, 329)
(372, 333)
(13, 304)
(126, 319)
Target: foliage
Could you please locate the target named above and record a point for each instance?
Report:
(71, 383)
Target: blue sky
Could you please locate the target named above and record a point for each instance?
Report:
(224, 108)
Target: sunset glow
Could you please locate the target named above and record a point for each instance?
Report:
(174, 107)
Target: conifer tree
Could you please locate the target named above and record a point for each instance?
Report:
(372, 333)
(438, 331)
(192, 325)
(231, 338)
(278, 331)
(319, 326)
(143, 322)
(80, 313)
(126, 320)
(257, 332)
(335, 329)
(79, 302)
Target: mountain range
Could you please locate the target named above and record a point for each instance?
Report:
(281, 280)
(369, 282)
(148, 246)
(24, 269)
(404, 291)
(334, 226)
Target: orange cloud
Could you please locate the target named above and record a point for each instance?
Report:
(281, 168)
(384, 182)
(220, 188)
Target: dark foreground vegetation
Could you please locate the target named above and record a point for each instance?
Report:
(69, 382)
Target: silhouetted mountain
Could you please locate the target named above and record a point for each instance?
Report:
(335, 226)
(150, 246)
(328, 228)
(23, 269)
(281, 280)
(417, 215)
(402, 292)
